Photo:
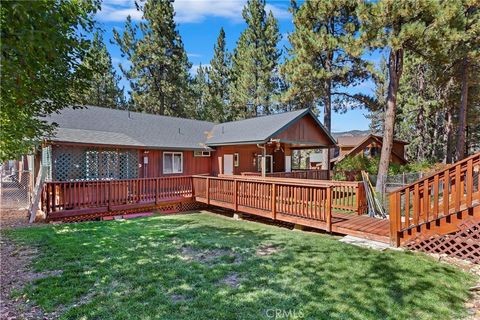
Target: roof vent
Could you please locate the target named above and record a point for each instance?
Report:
(223, 129)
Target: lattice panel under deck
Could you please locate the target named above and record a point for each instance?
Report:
(464, 244)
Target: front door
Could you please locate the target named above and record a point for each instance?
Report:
(228, 164)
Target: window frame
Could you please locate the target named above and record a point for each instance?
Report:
(203, 154)
(172, 154)
(236, 159)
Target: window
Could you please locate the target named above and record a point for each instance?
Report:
(375, 151)
(200, 153)
(172, 162)
(236, 159)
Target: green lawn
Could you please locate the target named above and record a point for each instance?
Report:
(203, 266)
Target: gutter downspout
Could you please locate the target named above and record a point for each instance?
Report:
(264, 159)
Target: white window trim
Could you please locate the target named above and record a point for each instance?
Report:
(203, 154)
(236, 159)
(173, 154)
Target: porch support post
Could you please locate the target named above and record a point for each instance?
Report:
(264, 161)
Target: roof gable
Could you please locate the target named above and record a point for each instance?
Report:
(259, 129)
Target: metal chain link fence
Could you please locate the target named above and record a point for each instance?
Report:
(390, 183)
(15, 189)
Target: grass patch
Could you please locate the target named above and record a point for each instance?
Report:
(201, 266)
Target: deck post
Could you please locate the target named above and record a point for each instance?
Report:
(394, 215)
(156, 190)
(109, 195)
(208, 191)
(274, 203)
(328, 209)
(235, 194)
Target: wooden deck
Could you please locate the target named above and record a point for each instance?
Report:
(361, 226)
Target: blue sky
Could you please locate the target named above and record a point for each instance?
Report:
(199, 22)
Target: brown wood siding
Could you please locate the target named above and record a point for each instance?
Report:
(191, 164)
(304, 130)
(246, 156)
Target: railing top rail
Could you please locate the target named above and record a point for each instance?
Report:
(475, 156)
(120, 180)
(284, 181)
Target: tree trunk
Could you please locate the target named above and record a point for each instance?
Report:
(327, 121)
(449, 136)
(395, 68)
(462, 113)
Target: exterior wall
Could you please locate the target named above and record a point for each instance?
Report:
(304, 130)
(247, 154)
(71, 163)
(154, 168)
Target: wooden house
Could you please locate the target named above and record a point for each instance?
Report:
(95, 143)
(368, 146)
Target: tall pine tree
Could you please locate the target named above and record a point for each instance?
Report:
(219, 77)
(103, 89)
(401, 27)
(254, 63)
(159, 74)
(324, 57)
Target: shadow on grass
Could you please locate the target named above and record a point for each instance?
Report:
(136, 269)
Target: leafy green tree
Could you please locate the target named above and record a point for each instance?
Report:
(159, 72)
(219, 77)
(103, 89)
(254, 63)
(43, 44)
(324, 56)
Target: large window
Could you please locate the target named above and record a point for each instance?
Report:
(172, 162)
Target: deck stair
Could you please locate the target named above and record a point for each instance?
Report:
(437, 205)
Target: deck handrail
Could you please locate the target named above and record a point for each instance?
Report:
(73, 195)
(269, 198)
(346, 195)
(425, 200)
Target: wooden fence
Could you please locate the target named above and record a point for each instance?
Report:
(437, 196)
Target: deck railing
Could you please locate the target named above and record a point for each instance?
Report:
(449, 191)
(302, 174)
(109, 194)
(346, 195)
(290, 201)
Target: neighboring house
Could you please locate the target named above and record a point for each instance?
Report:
(369, 145)
(98, 143)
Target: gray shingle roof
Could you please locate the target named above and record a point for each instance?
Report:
(255, 130)
(95, 125)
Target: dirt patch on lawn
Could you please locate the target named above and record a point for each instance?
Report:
(232, 280)
(267, 250)
(13, 218)
(207, 256)
(15, 274)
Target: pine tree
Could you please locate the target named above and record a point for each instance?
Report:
(201, 97)
(401, 27)
(103, 89)
(379, 101)
(324, 57)
(254, 63)
(159, 75)
(219, 76)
